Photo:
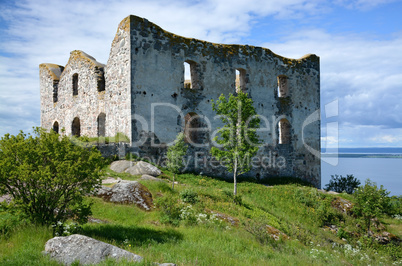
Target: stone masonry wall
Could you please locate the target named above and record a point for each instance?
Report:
(145, 97)
(160, 99)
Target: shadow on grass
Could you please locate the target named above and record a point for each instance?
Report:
(137, 236)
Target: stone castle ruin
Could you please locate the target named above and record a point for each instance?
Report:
(143, 93)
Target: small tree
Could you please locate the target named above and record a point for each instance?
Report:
(238, 139)
(175, 154)
(48, 176)
(340, 184)
(371, 202)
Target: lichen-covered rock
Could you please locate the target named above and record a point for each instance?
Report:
(342, 205)
(151, 178)
(128, 192)
(143, 168)
(85, 250)
(120, 166)
(227, 218)
(275, 233)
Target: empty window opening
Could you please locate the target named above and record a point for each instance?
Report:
(55, 90)
(191, 129)
(101, 125)
(191, 78)
(284, 131)
(241, 80)
(56, 127)
(187, 76)
(76, 127)
(101, 82)
(283, 87)
(75, 84)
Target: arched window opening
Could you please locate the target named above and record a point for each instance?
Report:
(192, 124)
(101, 125)
(241, 80)
(191, 78)
(56, 127)
(75, 84)
(55, 90)
(284, 131)
(283, 87)
(101, 82)
(76, 127)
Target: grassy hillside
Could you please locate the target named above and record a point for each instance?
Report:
(200, 224)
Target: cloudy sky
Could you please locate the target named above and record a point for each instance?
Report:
(359, 43)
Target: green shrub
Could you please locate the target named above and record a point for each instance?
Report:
(48, 176)
(371, 202)
(189, 196)
(343, 184)
(170, 210)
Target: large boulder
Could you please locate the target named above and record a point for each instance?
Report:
(85, 250)
(127, 192)
(121, 166)
(151, 178)
(143, 168)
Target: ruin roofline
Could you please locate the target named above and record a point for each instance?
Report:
(125, 24)
(56, 71)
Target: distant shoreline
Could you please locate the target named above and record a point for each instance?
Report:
(362, 155)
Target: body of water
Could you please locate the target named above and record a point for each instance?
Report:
(383, 171)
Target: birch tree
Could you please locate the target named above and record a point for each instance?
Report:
(237, 140)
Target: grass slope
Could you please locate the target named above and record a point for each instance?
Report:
(191, 234)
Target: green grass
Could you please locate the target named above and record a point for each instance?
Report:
(301, 212)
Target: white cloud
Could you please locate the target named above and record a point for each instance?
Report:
(362, 71)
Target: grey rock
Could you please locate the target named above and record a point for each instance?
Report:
(85, 250)
(151, 178)
(128, 192)
(121, 165)
(7, 198)
(143, 168)
(110, 180)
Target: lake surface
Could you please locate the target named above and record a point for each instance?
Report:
(383, 171)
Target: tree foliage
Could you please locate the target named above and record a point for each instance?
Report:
(47, 175)
(371, 202)
(340, 184)
(237, 140)
(175, 154)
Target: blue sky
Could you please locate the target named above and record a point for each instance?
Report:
(359, 43)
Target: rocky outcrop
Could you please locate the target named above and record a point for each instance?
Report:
(151, 178)
(143, 168)
(135, 168)
(85, 250)
(275, 233)
(121, 166)
(342, 205)
(128, 192)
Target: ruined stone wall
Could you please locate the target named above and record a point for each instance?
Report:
(86, 105)
(118, 86)
(161, 102)
(146, 97)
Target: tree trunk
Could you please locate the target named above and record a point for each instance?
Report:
(173, 181)
(235, 176)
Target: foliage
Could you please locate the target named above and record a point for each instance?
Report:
(189, 196)
(340, 184)
(238, 139)
(170, 210)
(48, 176)
(293, 209)
(175, 154)
(371, 202)
(395, 206)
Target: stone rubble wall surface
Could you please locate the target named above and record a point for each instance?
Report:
(146, 98)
